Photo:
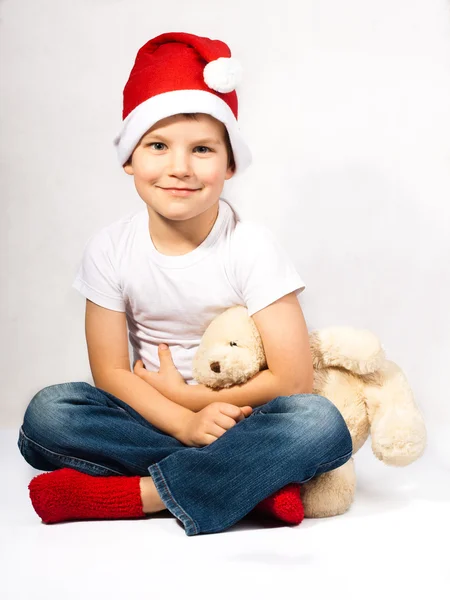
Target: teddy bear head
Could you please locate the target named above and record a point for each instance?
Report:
(230, 352)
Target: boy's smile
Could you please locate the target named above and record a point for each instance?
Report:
(180, 191)
(179, 167)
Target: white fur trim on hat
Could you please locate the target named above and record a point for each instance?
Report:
(146, 114)
(223, 74)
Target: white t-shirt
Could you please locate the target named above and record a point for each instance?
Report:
(173, 299)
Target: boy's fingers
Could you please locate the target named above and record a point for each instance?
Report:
(246, 410)
(236, 412)
(230, 410)
(223, 421)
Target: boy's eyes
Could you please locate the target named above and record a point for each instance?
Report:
(161, 146)
(203, 148)
(155, 144)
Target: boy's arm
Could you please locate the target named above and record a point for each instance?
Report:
(290, 369)
(260, 389)
(166, 415)
(107, 344)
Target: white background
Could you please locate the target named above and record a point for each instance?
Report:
(346, 108)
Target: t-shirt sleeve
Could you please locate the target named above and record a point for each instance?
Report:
(97, 277)
(264, 271)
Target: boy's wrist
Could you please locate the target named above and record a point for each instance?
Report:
(185, 415)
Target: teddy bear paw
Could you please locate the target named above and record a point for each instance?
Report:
(401, 443)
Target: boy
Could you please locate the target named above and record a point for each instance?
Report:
(164, 273)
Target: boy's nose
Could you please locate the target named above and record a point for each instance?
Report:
(180, 165)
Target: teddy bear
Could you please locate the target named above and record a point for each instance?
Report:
(350, 369)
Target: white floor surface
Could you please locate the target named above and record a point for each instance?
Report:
(392, 544)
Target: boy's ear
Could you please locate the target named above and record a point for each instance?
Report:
(127, 167)
(229, 173)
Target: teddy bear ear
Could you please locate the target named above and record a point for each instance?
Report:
(356, 350)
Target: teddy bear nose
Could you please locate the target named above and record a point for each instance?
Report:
(215, 366)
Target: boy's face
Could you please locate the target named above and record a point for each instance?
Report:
(180, 166)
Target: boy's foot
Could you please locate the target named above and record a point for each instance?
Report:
(285, 504)
(67, 495)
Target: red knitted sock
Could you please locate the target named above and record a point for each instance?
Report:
(68, 495)
(285, 504)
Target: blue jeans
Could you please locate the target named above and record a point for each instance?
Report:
(208, 489)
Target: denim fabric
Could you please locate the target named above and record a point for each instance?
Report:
(289, 439)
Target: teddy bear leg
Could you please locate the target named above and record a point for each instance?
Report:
(330, 493)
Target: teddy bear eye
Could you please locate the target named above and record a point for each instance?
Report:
(233, 344)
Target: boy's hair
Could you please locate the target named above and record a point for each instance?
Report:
(231, 162)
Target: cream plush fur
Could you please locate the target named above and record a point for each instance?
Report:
(351, 370)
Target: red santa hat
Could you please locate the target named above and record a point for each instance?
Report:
(181, 73)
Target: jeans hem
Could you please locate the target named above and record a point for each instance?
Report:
(190, 525)
(338, 462)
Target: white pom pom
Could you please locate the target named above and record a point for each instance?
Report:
(223, 74)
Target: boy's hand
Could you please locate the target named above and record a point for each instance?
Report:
(210, 423)
(168, 381)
